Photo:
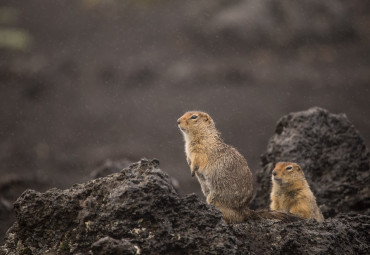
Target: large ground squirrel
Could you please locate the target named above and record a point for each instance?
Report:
(291, 192)
(221, 170)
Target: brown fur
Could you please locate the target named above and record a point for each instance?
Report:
(291, 192)
(222, 172)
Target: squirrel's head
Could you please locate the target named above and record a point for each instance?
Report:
(284, 172)
(194, 121)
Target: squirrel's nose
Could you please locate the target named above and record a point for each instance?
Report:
(178, 121)
(274, 173)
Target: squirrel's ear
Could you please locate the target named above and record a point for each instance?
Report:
(299, 168)
(204, 116)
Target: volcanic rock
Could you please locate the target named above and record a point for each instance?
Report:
(332, 155)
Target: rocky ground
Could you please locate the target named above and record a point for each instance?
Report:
(138, 211)
(87, 82)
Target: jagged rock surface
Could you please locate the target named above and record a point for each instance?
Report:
(332, 154)
(11, 187)
(137, 211)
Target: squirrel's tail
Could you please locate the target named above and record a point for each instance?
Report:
(268, 214)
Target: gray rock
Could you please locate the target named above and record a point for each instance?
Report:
(332, 154)
(137, 211)
(138, 205)
(11, 187)
(109, 245)
(333, 236)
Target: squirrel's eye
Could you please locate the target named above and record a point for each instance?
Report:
(194, 117)
(289, 168)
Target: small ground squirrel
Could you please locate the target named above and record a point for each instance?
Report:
(291, 192)
(221, 170)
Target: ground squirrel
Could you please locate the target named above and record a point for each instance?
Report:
(291, 192)
(221, 170)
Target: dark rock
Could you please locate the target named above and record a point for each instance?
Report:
(11, 187)
(115, 166)
(138, 205)
(137, 211)
(332, 154)
(108, 245)
(333, 236)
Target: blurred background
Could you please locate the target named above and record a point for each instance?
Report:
(85, 81)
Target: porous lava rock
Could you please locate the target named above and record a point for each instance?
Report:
(332, 154)
(11, 187)
(137, 211)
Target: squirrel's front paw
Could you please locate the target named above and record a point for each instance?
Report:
(193, 170)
